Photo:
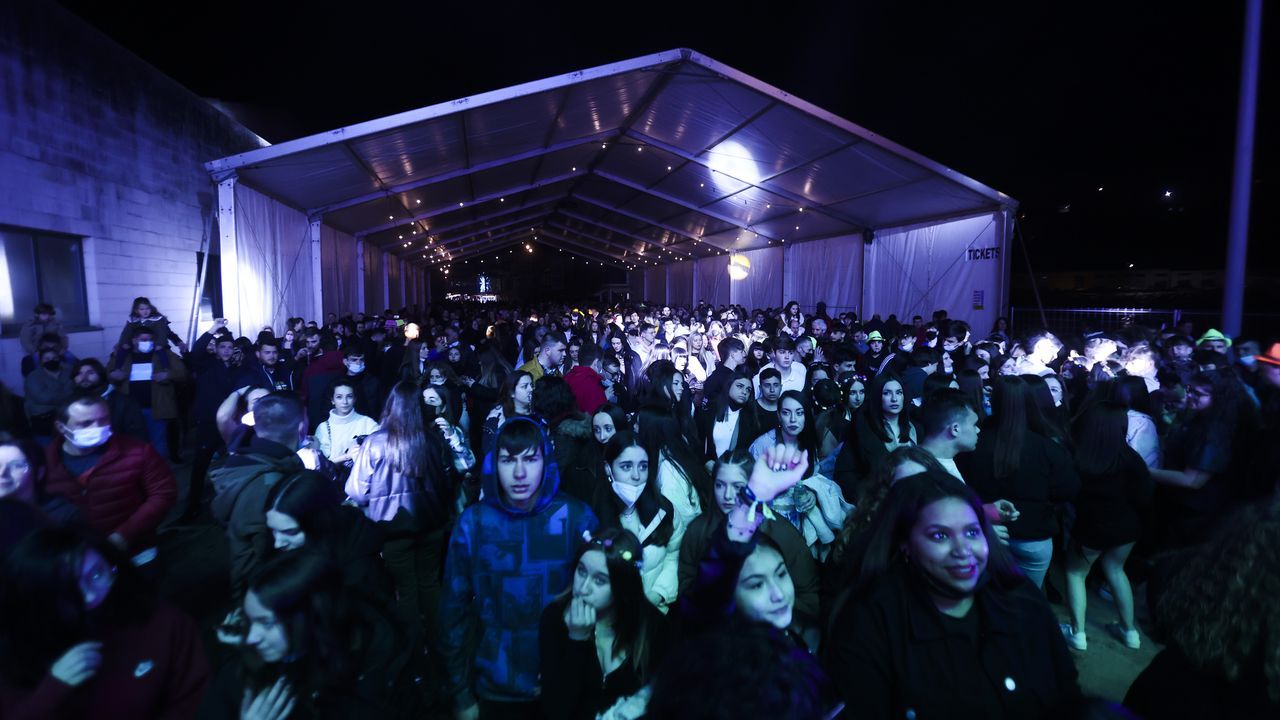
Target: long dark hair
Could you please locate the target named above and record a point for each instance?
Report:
(870, 417)
(900, 513)
(808, 438)
(634, 621)
(721, 406)
(1131, 391)
(508, 389)
(661, 437)
(303, 590)
(406, 434)
(42, 612)
(610, 507)
(1042, 416)
(1100, 438)
(314, 503)
(1009, 401)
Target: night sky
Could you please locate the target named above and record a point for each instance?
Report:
(1044, 101)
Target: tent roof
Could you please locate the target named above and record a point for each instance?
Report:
(665, 157)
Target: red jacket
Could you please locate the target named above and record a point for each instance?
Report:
(127, 492)
(586, 387)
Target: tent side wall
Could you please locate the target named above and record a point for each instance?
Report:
(828, 270)
(957, 265)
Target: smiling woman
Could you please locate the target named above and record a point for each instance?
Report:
(941, 611)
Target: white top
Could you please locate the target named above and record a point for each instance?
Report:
(676, 487)
(950, 465)
(722, 432)
(792, 381)
(660, 571)
(1142, 437)
(337, 435)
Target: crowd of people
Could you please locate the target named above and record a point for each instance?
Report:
(481, 511)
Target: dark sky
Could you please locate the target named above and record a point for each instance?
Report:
(1044, 101)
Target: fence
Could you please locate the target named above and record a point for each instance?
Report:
(1076, 321)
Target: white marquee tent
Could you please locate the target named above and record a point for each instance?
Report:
(662, 165)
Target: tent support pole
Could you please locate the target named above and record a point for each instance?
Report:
(1238, 230)
(1026, 257)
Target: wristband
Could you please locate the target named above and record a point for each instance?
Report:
(748, 498)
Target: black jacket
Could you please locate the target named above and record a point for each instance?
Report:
(1046, 477)
(573, 687)
(894, 655)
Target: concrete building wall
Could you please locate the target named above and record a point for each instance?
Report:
(97, 144)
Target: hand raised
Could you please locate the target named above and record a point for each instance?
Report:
(78, 664)
(776, 471)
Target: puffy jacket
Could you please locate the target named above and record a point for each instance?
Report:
(376, 485)
(127, 492)
(587, 388)
(504, 565)
(241, 486)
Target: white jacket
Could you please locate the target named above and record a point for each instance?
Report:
(660, 571)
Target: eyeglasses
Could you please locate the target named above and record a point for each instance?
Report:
(17, 467)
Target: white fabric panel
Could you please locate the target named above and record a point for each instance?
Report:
(711, 280)
(763, 287)
(655, 285)
(827, 271)
(957, 266)
(680, 283)
(273, 251)
(373, 297)
(338, 258)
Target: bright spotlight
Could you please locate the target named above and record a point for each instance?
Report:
(739, 267)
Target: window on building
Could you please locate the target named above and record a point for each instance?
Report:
(40, 267)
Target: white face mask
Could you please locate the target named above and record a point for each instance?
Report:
(356, 368)
(247, 418)
(628, 493)
(1248, 360)
(90, 437)
(146, 346)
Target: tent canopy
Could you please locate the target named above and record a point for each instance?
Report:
(662, 158)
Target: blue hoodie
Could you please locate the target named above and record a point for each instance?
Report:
(504, 565)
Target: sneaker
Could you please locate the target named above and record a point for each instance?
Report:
(1075, 640)
(1130, 638)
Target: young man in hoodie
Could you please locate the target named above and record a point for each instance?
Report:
(509, 556)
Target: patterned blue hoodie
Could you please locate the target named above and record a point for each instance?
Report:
(504, 565)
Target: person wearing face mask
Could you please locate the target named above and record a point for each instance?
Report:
(45, 388)
(630, 500)
(82, 636)
(600, 640)
(148, 372)
(121, 485)
(242, 483)
(941, 623)
(368, 389)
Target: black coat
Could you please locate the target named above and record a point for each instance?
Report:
(1171, 687)
(893, 652)
(1045, 478)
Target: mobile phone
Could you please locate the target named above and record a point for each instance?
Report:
(360, 439)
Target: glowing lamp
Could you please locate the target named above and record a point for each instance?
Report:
(739, 267)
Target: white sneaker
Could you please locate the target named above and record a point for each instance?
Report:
(1075, 640)
(1130, 638)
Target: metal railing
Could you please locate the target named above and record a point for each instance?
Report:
(1076, 321)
